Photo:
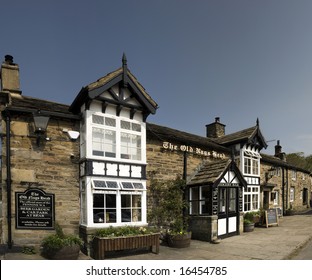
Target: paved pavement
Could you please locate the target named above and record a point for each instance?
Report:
(273, 243)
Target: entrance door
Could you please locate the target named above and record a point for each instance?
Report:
(228, 214)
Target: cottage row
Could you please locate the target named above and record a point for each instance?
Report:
(88, 165)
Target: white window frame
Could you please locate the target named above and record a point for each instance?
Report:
(292, 194)
(136, 147)
(250, 162)
(119, 191)
(251, 198)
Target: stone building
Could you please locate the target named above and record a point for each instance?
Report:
(87, 165)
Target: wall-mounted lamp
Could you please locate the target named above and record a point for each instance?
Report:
(41, 123)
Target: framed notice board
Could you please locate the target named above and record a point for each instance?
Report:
(271, 217)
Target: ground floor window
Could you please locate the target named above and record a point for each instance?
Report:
(251, 198)
(200, 200)
(109, 202)
(292, 194)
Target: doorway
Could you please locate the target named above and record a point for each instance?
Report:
(228, 212)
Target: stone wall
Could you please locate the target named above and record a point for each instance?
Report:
(303, 180)
(52, 167)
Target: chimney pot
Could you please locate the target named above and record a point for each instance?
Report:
(8, 59)
(217, 119)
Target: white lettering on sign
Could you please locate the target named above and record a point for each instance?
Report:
(195, 150)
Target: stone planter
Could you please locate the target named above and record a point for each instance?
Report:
(101, 245)
(65, 253)
(249, 227)
(179, 240)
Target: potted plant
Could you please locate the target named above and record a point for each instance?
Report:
(59, 246)
(168, 211)
(249, 224)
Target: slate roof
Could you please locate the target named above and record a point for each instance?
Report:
(281, 163)
(209, 172)
(22, 103)
(180, 137)
(96, 88)
(243, 136)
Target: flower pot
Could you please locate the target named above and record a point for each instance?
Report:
(70, 252)
(179, 240)
(249, 227)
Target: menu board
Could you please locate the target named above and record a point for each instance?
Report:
(34, 209)
(271, 217)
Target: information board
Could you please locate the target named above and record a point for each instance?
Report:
(34, 209)
(271, 217)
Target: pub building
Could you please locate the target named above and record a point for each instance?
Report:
(87, 165)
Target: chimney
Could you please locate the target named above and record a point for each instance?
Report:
(278, 151)
(9, 76)
(216, 129)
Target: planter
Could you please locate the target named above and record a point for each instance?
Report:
(65, 253)
(290, 212)
(249, 227)
(101, 245)
(179, 240)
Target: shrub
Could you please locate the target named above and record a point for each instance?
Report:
(123, 231)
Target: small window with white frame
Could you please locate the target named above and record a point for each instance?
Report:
(293, 175)
(292, 194)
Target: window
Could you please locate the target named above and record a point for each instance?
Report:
(251, 163)
(117, 202)
(251, 199)
(116, 138)
(275, 197)
(200, 200)
(131, 208)
(293, 175)
(104, 208)
(292, 194)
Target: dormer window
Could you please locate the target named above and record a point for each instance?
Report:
(251, 163)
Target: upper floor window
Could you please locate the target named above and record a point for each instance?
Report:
(116, 138)
(251, 163)
(293, 174)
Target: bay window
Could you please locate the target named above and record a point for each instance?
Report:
(251, 163)
(117, 202)
(113, 137)
(251, 198)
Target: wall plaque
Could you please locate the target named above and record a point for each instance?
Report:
(34, 209)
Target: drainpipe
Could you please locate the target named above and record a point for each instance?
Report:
(9, 179)
(283, 190)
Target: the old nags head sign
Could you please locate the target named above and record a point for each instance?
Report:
(34, 209)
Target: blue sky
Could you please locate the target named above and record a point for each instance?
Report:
(235, 59)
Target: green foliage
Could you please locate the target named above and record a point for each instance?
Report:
(123, 231)
(249, 217)
(55, 242)
(29, 250)
(299, 160)
(168, 204)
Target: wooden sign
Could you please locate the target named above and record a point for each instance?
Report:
(271, 217)
(34, 209)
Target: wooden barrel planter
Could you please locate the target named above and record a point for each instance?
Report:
(179, 240)
(101, 245)
(70, 252)
(249, 227)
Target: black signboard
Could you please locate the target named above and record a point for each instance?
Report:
(34, 209)
(271, 217)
